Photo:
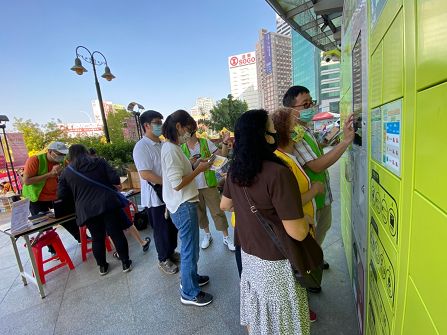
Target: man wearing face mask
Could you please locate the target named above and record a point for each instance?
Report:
(206, 183)
(311, 156)
(40, 179)
(146, 155)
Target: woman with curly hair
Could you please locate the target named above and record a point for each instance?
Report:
(288, 134)
(271, 300)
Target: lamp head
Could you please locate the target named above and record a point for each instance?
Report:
(107, 74)
(78, 68)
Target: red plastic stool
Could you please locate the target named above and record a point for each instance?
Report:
(85, 242)
(50, 237)
(130, 210)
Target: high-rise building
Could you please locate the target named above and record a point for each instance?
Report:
(305, 64)
(282, 27)
(201, 111)
(274, 68)
(108, 108)
(329, 86)
(243, 78)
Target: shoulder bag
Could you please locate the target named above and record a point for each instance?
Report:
(123, 200)
(306, 257)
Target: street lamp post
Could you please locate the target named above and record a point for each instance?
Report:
(79, 69)
(136, 115)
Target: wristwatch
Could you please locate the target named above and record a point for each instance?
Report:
(224, 143)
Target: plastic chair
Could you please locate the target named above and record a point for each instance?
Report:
(50, 237)
(85, 249)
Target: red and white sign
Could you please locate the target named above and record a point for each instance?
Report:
(248, 58)
(17, 147)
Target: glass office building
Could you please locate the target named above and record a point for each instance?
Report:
(305, 64)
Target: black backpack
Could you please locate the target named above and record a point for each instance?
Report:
(141, 219)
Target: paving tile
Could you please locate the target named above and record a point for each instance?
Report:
(36, 320)
(95, 307)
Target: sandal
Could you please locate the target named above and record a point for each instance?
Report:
(148, 242)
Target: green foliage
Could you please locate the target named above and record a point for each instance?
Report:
(115, 123)
(118, 153)
(225, 113)
(36, 136)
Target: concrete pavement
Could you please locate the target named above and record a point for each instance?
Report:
(146, 301)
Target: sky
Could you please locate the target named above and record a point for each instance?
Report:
(164, 54)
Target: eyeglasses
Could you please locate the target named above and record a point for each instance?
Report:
(58, 153)
(158, 123)
(306, 105)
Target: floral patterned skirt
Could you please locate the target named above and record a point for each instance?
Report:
(271, 300)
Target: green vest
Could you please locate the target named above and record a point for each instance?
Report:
(320, 176)
(32, 192)
(210, 176)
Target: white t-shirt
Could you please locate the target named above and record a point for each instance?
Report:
(147, 156)
(200, 179)
(175, 166)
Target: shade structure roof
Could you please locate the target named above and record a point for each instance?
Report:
(322, 116)
(318, 21)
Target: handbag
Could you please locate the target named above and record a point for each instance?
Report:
(123, 200)
(305, 257)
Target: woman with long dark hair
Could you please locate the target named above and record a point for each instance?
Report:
(181, 197)
(271, 300)
(98, 207)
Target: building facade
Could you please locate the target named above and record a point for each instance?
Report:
(329, 86)
(283, 27)
(81, 129)
(108, 108)
(201, 110)
(274, 68)
(305, 65)
(243, 78)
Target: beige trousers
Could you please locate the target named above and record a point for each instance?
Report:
(324, 221)
(210, 197)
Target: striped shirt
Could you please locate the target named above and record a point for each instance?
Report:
(304, 154)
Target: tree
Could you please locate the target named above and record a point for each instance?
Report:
(115, 122)
(225, 113)
(36, 136)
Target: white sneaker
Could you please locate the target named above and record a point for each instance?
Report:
(229, 243)
(206, 241)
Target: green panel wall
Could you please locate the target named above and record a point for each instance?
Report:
(406, 291)
(431, 45)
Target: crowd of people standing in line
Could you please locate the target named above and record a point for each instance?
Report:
(276, 163)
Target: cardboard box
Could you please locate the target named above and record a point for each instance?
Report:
(135, 179)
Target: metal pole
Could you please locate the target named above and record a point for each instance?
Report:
(101, 105)
(10, 160)
(6, 163)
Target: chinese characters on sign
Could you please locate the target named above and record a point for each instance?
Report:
(386, 135)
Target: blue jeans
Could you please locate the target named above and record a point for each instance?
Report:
(187, 223)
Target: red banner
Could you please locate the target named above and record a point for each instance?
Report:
(17, 147)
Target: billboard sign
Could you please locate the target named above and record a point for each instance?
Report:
(268, 64)
(19, 152)
(248, 58)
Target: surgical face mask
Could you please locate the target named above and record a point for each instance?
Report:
(307, 114)
(57, 158)
(156, 129)
(184, 138)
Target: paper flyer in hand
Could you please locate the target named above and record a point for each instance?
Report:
(219, 163)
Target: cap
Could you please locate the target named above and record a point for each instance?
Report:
(59, 147)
